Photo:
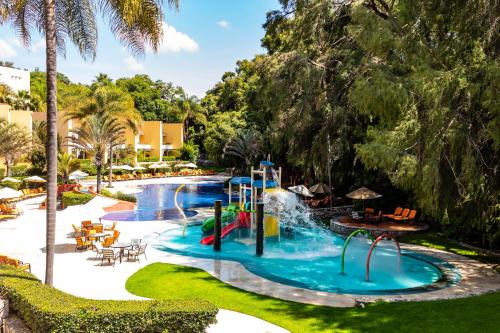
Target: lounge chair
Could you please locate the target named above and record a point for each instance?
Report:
(404, 214)
(109, 255)
(19, 264)
(82, 244)
(410, 217)
(136, 252)
(397, 212)
(3, 260)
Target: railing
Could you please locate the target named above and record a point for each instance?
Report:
(335, 211)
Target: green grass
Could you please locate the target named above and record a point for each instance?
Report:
(474, 314)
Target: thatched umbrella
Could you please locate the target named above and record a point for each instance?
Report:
(363, 193)
(320, 188)
(301, 190)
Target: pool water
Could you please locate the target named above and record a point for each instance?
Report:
(311, 259)
(156, 201)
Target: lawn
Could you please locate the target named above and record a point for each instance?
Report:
(474, 314)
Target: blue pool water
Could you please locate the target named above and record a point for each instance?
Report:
(156, 201)
(311, 259)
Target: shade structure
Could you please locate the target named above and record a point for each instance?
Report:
(191, 166)
(320, 188)
(8, 193)
(155, 166)
(35, 179)
(139, 168)
(79, 174)
(127, 167)
(12, 180)
(301, 190)
(363, 193)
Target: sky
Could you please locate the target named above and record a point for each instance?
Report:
(201, 41)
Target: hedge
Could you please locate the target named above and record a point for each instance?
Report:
(118, 195)
(12, 185)
(72, 199)
(46, 309)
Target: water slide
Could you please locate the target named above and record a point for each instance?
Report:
(226, 217)
(209, 240)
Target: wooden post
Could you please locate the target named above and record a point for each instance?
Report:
(218, 225)
(260, 229)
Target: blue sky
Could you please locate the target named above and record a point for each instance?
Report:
(202, 41)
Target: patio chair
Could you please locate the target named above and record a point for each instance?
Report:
(109, 255)
(135, 253)
(397, 212)
(19, 264)
(108, 241)
(98, 248)
(3, 259)
(98, 228)
(404, 215)
(82, 244)
(110, 227)
(116, 234)
(86, 224)
(76, 231)
(135, 242)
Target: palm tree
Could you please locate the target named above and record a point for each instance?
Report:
(246, 145)
(97, 135)
(67, 163)
(135, 23)
(110, 100)
(193, 114)
(14, 141)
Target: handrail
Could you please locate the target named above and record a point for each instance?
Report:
(180, 209)
(354, 233)
(379, 238)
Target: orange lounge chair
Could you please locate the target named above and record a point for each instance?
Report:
(404, 214)
(19, 264)
(3, 260)
(409, 217)
(397, 212)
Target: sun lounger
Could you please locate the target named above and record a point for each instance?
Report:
(397, 212)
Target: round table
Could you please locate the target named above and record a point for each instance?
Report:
(122, 247)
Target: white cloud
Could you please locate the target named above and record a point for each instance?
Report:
(175, 41)
(15, 42)
(6, 50)
(223, 24)
(133, 64)
(40, 45)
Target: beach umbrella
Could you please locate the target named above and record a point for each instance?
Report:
(79, 174)
(320, 188)
(8, 193)
(154, 166)
(301, 190)
(35, 179)
(191, 166)
(181, 165)
(127, 167)
(139, 168)
(12, 180)
(363, 193)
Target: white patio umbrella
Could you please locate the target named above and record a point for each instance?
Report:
(127, 167)
(79, 174)
(320, 188)
(301, 190)
(191, 166)
(139, 168)
(13, 180)
(8, 193)
(35, 179)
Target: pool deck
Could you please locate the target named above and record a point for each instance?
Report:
(24, 238)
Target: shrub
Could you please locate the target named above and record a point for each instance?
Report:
(189, 151)
(73, 199)
(147, 159)
(169, 158)
(13, 185)
(175, 153)
(19, 170)
(125, 197)
(2, 172)
(46, 309)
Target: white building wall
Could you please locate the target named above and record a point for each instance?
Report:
(16, 79)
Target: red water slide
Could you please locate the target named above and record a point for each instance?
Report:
(209, 240)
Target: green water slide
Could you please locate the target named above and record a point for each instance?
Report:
(227, 216)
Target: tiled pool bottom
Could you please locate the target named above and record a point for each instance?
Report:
(148, 215)
(312, 261)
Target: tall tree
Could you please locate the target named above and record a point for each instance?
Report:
(98, 134)
(110, 100)
(14, 141)
(67, 163)
(135, 23)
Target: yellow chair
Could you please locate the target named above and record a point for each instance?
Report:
(89, 234)
(82, 244)
(108, 241)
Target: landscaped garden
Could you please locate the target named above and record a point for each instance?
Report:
(340, 176)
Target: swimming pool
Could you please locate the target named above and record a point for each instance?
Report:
(310, 258)
(156, 201)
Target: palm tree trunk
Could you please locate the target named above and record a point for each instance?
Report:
(98, 176)
(8, 168)
(51, 148)
(110, 182)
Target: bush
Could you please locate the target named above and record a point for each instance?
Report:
(176, 154)
(13, 185)
(125, 197)
(19, 170)
(73, 199)
(189, 151)
(147, 159)
(169, 158)
(46, 309)
(2, 172)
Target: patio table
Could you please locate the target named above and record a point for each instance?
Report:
(99, 235)
(122, 247)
